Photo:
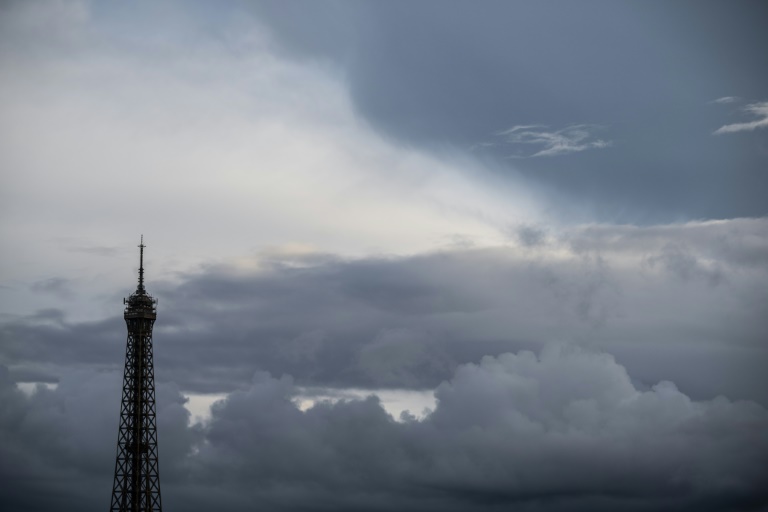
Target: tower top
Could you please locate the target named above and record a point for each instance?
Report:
(140, 304)
(140, 288)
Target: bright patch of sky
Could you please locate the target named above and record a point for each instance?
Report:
(216, 149)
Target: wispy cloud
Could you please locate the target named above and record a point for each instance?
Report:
(726, 99)
(570, 139)
(757, 109)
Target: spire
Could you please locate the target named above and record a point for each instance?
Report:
(140, 289)
(140, 302)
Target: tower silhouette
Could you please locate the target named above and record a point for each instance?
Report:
(136, 486)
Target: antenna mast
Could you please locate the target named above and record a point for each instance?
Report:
(140, 289)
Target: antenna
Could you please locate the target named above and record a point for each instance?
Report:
(141, 265)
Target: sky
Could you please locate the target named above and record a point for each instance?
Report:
(455, 256)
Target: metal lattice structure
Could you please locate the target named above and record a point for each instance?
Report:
(136, 486)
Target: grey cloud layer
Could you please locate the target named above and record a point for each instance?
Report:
(681, 302)
(566, 430)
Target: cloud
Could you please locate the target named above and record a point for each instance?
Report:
(58, 445)
(605, 74)
(565, 429)
(243, 147)
(571, 139)
(681, 262)
(58, 286)
(726, 100)
(656, 297)
(759, 110)
(530, 236)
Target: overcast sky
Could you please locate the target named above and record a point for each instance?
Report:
(455, 256)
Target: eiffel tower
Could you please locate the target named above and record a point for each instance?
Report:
(136, 486)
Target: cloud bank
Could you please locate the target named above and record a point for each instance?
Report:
(684, 302)
(562, 430)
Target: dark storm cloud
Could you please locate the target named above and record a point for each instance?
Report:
(657, 297)
(454, 73)
(40, 345)
(565, 430)
(57, 446)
